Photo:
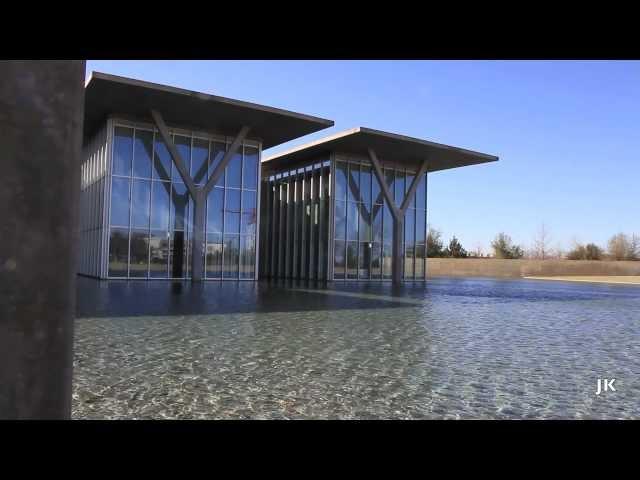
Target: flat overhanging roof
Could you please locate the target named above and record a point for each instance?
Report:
(389, 148)
(113, 95)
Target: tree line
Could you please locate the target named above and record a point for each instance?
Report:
(619, 247)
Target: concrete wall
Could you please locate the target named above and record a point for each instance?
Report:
(490, 267)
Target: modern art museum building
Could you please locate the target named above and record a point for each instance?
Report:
(174, 186)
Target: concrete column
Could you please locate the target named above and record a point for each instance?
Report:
(41, 116)
(197, 251)
(396, 250)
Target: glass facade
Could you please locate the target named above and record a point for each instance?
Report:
(295, 222)
(363, 228)
(151, 211)
(300, 239)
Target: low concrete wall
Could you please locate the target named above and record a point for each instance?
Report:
(493, 267)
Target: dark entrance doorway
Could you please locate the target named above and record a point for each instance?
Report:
(177, 257)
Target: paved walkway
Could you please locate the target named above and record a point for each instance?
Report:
(626, 280)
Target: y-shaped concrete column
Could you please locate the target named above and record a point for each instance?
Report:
(397, 213)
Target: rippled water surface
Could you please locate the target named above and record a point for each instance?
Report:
(453, 348)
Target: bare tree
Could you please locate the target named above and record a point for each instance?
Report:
(618, 247)
(634, 248)
(541, 242)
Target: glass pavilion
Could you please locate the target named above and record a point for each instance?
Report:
(154, 198)
(332, 210)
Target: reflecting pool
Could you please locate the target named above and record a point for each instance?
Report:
(451, 348)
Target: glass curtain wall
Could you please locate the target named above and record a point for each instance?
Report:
(363, 227)
(295, 219)
(151, 221)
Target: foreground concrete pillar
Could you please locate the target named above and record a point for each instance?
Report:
(41, 112)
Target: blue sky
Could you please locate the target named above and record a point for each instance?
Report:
(567, 132)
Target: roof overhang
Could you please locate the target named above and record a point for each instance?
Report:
(390, 148)
(113, 95)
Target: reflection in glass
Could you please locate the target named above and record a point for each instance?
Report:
(161, 160)
(140, 204)
(249, 212)
(247, 256)
(139, 256)
(159, 254)
(365, 222)
(409, 178)
(376, 260)
(386, 261)
(408, 261)
(217, 152)
(352, 260)
(250, 168)
(120, 202)
(118, 252)
(387, 224)
(231, 256)
(420, 226)
(199, 158)
(179, 203)
(352, 221)
(341, 181)
(234, 170)
(377, 223)
(419, 265)
(409, 227)
(143, 150)
(214, 255)
(339, 264)
(215, 202)
(232, 212)
(160, 205)
(122, 150)
(341, 220)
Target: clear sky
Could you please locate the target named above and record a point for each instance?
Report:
(567, 132)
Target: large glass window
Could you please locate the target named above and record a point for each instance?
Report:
(363, 230)
(151, 208)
